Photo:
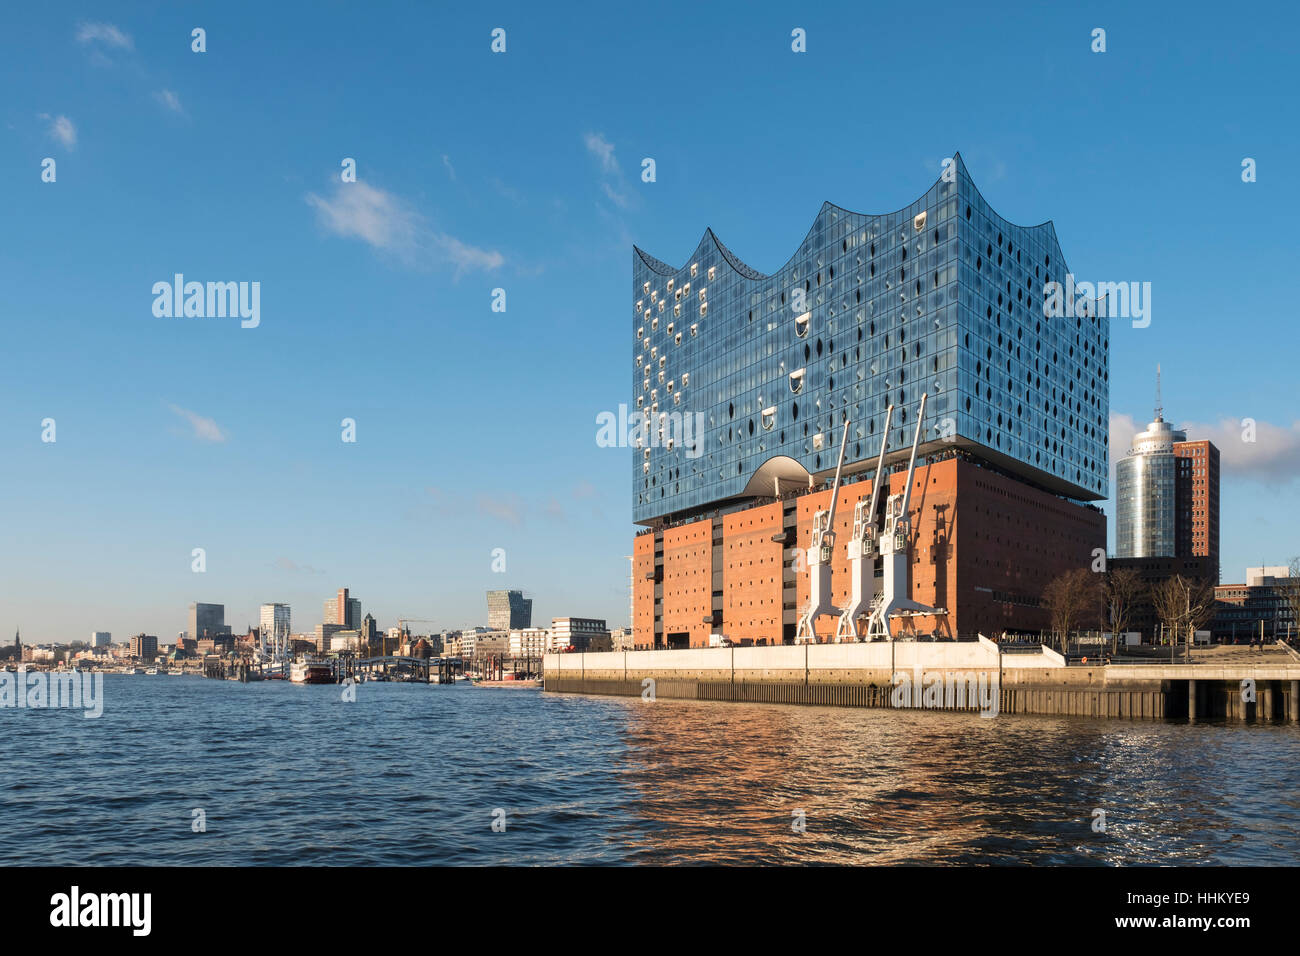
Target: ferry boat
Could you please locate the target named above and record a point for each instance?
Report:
(176, 673)
(152, 672)
(133, 670)
(311, 672)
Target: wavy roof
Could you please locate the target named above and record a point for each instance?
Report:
(749, 272)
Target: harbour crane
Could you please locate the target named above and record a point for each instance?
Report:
(893, 553)
(863, 549)
(820, 551)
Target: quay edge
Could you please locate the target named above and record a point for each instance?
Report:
(863, 675)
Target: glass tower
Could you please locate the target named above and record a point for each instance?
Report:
(743, 381)
(1145, 498)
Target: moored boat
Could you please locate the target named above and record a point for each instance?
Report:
(311, 672)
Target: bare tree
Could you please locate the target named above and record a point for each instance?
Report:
(1122, 589)
(1183, 604)
(1067, 598)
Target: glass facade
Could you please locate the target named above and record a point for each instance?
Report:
(1146, 494)
(943, 297)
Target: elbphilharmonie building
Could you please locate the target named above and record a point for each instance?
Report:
(745, 381)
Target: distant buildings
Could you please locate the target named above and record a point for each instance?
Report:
(100, 638)
(509, 610)
(144, 647)
(528, 642)
(325, 633)
(208, 620)
(274, 624)
(1167, 497)
(621, 639)
(343, 640)
(1270, 597)
(343, 610)
(579, 634)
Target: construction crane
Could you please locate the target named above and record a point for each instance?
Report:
(819, 562)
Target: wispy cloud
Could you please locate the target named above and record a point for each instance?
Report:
(451, 170)
(169, 101)
(613, 184)
(103, 34)
(204, 429)
(386, 222)
(603, 150)
(60, 128)
(285, 564)
(507, 508)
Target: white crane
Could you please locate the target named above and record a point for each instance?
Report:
(863, 549)
(894, 552)
(819, 562)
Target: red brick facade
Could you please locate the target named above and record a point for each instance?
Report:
(984, 546)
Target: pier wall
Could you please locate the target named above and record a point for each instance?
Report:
(866, 675)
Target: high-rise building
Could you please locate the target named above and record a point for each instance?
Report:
(1167, 496)
(101, 638)
(1145, 493)
(1196, 501)
(744, 381)
(208, 620)
(509, 610)
(274, 625)
(144, 647)
(343, 610)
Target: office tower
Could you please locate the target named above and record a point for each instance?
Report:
(101, 638)
(343, 610)
(274, 625)
(208, 620)
(509, 610)
(1167, 495)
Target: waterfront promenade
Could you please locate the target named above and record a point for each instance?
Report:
(946, 676)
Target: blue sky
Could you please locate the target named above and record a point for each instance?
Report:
(476, 429)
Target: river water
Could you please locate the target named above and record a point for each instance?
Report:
(418, 775)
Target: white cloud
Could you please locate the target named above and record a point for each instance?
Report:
(466, 257)
(104, 34)
(612, 182)
(507, 508)
(386, 222)
(618, 198)
(360, 211)
(204, 429)
(170, 101)
(451, 170)
(61, 129)
(603, 150)
(1273, 457)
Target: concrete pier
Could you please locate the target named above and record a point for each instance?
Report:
(972, 676)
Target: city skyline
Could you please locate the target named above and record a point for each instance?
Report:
(374, 301)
